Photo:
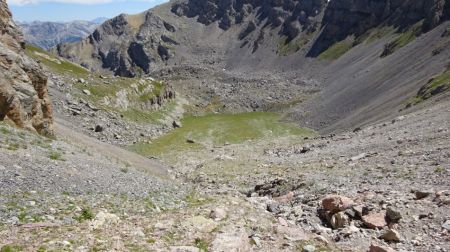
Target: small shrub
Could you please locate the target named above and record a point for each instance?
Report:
(86, 214)
(201, 244)
(54, 155)
(42, 249)
(4, 131)
(13, 146)
(439, 169)
(11, 248)
(22, 216)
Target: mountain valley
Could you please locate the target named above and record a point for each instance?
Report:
(215, 125)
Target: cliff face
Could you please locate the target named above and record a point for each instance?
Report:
(23, 85)
(354, 17)
(290, 15)
(126, 45)
(132, 45)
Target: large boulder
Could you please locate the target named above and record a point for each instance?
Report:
(336, 203)
(24, 97)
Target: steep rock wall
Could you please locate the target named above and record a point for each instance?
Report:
(23, 85)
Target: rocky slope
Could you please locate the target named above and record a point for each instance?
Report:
(316, 45)
(23, 91)
(380, 186)
(49, 34)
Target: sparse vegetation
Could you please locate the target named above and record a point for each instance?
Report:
(218, 129)
(374, 34)
(86, 214)
(202, 244)
(59, 65)
(336, 50)
(171, 237)
(286, 47)
(439, 169)
(149, 116)
(194, 199)
(403, 38)
(55, 155)
(11, 248)
(13, 146)
(435, 86)
(4, 131)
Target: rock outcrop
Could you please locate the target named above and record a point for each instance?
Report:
(355, 17)
(23, 85)
(126, 45)
(290, 15)
(130, 45)
(216, 45)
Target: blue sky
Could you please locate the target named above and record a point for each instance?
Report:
(68, 10)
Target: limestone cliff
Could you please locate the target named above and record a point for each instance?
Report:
(170, 34)
(23, 85)
(355, 17)
(126, 45)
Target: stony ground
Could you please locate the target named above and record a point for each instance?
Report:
(383, 187)
(390, 180)
(399, 166)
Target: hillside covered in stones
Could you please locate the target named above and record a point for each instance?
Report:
(319, 46)
(242, 125)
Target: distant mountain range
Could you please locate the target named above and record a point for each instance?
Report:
(48, 34)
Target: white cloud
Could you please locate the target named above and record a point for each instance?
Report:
(26, 2)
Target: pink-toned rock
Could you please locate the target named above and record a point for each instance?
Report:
(375, 220)
(336, 203)
(292, 233)
(391, 235)
(233, 241)
(218, 214)
(376, 248)
(282, 222)
(39, 225)
(285, 198)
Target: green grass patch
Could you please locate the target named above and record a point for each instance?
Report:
(147, 96)
(55, 155)
(202, 244)
(11, 248)
(402, 39)
(4, 131)
(194, 199)
(336, 50)
(286, 47)
(218, 129)
(55, 63)
(375, 34)
(439, 169)
(86, 214)
(149, 116)
(137, 94)
(435, 86)
(13, 146)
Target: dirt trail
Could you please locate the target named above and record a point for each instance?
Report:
(64, 131)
